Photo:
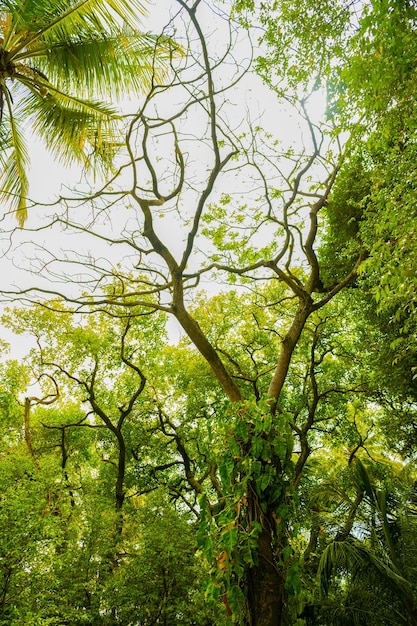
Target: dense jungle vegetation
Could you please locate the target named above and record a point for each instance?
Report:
(208, 375)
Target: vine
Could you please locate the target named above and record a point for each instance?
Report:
(254, 472)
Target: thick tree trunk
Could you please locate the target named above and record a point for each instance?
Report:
(266, 593)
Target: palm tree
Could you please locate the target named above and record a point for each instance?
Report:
(377, 565)
(57, 57)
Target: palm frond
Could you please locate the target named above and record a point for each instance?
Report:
(62, 55)
(73, 130)
(353, 556)
(364, 479)
(359, 608)
(344, 555)
(5, 142)
(14, 183)
(104, 65)
(6, 24)
(54, 20)
(329, 495)
(44, 89)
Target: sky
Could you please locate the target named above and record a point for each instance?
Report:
(48, 178)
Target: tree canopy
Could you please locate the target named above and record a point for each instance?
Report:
(214, 422)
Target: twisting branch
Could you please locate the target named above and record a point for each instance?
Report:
(50, 398)
(125, 411)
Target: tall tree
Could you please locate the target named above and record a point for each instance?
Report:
(241, 205)
(91, 537)
(259, 239)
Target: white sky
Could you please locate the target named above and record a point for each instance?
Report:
(48, 178)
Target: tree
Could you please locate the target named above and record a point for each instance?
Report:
(380, 564)
(363, 57)
(258, 500)
(242, 420)
(56, 59)
(179, 434)
(89, 540)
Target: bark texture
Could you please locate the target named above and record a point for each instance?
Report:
(266, 587)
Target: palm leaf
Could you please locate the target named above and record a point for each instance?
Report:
(43, 89)
(5, 142)
(360, 609)
(60, 19)
(87, 66)
(353, 556)
(364, 480)
(65, 54)
(14, 183)
(72, 128)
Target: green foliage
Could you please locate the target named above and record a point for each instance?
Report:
(378, 566)
(181, 435)
(235, 456)
(380, 88)
(300, 53)
(67, 557)
(255, 465)
(56, 59)
(345, 213)
(363, 55)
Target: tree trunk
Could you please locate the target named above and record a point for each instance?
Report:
(266, 586)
